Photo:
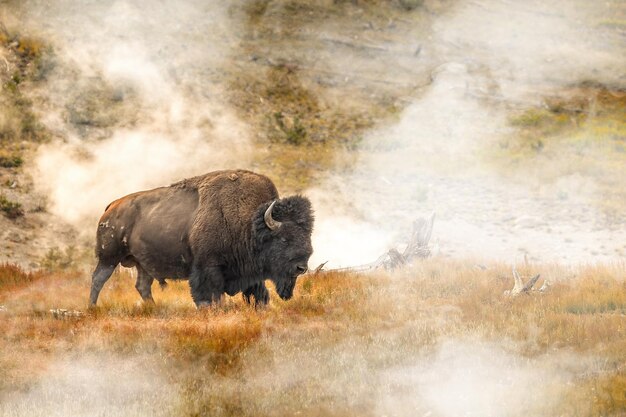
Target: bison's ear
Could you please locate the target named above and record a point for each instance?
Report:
(269, 220)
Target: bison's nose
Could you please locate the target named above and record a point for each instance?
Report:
(302, 269)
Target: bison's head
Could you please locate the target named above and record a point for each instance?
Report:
(282, 234)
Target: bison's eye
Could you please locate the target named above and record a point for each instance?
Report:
(283, 239)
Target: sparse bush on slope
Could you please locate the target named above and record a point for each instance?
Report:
(11, 209)
(11, 161)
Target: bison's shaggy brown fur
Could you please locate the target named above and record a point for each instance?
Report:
(219, 230)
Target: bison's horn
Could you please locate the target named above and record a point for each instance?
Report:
(269, 220)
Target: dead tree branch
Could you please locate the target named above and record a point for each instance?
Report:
(417, 248)
(520, 288)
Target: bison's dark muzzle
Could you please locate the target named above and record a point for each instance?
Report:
(285, 288)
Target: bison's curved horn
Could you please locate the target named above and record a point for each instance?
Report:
(269, 220)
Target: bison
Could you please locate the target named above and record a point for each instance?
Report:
(226, 231)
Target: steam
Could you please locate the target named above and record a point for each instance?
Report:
(479, 379)
(485, 59)
(380, 376)
(134, 99)
(136, 102)
(95, 385)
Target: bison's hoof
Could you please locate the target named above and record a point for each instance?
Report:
(203, 304)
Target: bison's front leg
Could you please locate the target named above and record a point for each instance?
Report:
(260, 293)
(207, 284)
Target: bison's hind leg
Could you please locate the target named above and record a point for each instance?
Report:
(144, 284)
(100, 276)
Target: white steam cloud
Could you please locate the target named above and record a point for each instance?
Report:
(358, 376)
(160, 71)
(96, 385)
(485, 58)
(129, 161)
(134, 98)
(482, 380)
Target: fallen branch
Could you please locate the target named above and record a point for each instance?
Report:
(63, 314)
(417, 248)
(520, 288)
(355, 45)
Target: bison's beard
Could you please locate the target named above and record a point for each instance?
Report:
(284, 287)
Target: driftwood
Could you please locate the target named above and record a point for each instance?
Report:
(520, 288)
(417, 248)
(349, 43)
(63, 314)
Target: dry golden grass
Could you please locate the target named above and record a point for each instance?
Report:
(315, 353)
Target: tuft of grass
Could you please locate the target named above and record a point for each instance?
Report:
(255, 9)
(12, 276)
(561, 117)
(536, 126)
(294, 132)
(619, 24)
(411, 4)
(592, 297)
(56, 259)
(11, 161)
(11, 209)
(219, 340)
(610, 397)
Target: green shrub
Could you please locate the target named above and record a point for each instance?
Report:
(56, 259)
(11, 161)
(11, 209)
(294, 132)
